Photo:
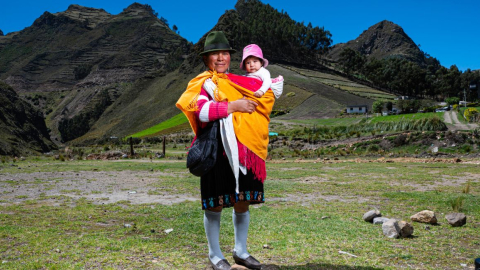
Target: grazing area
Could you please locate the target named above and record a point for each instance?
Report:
(145, 213)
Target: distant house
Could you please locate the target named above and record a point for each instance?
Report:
(357, 108)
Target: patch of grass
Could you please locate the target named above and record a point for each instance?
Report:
(170, 123)
(402, 117)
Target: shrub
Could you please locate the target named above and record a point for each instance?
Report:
(400, 140)
(452, 100)
(466, 148)
(470, 114)
(373, 148)
(466, 189)
(457, 203)
(290, 94)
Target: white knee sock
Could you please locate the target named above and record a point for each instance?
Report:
(211, 221)
(240, 225)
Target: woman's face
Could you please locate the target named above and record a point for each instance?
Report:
(218, 60)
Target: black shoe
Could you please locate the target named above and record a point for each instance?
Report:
(221, 265)
(249, 262)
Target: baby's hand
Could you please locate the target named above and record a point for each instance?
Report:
(258, 93)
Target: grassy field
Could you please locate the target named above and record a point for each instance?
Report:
(403, 117)
(168, 124)
(313, 210)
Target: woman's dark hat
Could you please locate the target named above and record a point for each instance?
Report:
(216, 41)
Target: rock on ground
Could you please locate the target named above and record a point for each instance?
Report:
(391, 229)
(370, 215)
(406, 229)
(380, 220)
(425, 216)
(456, 219)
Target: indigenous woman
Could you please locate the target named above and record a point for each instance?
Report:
(237, 178)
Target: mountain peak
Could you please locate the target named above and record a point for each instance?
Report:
(381, 40)
(91, 16)
(137, 9)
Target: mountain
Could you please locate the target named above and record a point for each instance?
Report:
(72, 58)
(22, 127)
(150, 101)
(96, 75)
(382, 40)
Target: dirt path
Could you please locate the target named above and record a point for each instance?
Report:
(448, 118)
(451, 117)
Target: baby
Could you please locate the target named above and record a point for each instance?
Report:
(254, 64)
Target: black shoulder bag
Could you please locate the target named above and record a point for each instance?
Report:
(203, 154)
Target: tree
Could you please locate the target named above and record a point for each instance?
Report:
(452, 100)
(351, 60)
(174, 28)
(389, 105)
(377, 106)
(164, 21)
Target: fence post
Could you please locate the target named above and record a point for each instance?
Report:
(164, 139)
(131, 146)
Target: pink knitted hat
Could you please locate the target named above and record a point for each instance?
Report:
(253, 50)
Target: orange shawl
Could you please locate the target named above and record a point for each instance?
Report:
(251, 129)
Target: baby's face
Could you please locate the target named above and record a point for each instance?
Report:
(252, 64)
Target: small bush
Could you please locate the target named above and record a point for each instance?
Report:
(374, 148)
(400, 140)
(457, 203)
(466, 148)
(466, 189)
(290, 94)
(470, 114)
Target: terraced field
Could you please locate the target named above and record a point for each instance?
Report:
(344, 84)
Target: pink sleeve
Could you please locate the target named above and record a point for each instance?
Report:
(216, 110)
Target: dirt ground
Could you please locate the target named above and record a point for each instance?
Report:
(100, 187)
(138, 187)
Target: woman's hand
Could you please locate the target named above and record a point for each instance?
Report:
(242, 105)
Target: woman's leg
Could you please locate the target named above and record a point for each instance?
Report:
(241, 221)
(211, 221)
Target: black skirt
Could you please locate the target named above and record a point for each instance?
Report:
(218, 185)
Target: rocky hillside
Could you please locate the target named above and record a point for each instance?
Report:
(22, 128)
(382, 40)
(70, 58)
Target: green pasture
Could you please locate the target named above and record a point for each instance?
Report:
(404, 117)
(170, 123)
(313, 210)
(329, 121)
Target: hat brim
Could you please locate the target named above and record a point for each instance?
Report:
(215, 50)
